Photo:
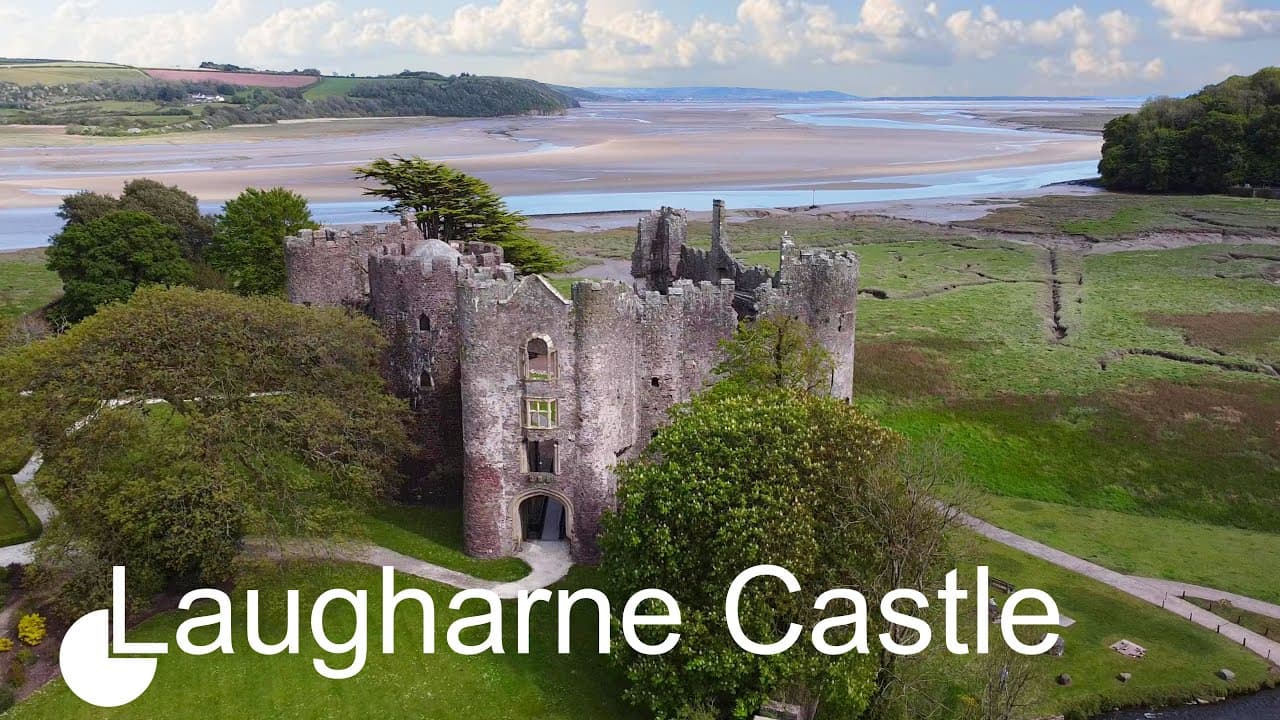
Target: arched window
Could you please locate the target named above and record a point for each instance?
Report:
(539, 360)
(424, 323)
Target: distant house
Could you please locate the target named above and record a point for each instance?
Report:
(202, 98)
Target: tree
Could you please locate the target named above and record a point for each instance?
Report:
(737, 480)
(248, 239)
(1225, 135)
(775, 351)
(108, 258)
(167, 203)
(455, 207)
(174, 425)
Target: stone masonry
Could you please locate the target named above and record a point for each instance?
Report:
(537, 396)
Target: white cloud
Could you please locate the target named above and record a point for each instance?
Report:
(1216, 19)
(1090, 49)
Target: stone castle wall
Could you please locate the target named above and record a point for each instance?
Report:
(459, 320)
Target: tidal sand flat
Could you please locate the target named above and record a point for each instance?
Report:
(603, 156)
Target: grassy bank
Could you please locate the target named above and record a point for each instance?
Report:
(26, 284)
(541, 685)
(1179, 666)
(435, 535)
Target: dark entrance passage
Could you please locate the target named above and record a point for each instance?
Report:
(542, 517)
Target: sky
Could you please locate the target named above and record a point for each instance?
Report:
(864, 47)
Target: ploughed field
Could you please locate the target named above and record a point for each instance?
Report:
(1121, 406)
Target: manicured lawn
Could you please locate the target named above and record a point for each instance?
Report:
(1181, 657)
(1239, 561)
(1264, 625)
(542, 685)
(435, 535)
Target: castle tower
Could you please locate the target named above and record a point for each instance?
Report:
(821, 289)
(660, 239)
(414, 300)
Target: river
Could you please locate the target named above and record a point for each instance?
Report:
(1261, 706)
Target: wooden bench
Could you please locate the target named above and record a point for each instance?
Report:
(1003, 586)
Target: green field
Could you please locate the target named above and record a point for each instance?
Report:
(26, 284)
(332, 87)
(64, 73)
(1109, 215)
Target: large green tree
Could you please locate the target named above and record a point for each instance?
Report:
(167, 203)
(738, 480)
(176, 424)
(108, 258)
(766, 468)
(456, 207)
(248, 238)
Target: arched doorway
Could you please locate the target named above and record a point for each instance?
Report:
(543, 517)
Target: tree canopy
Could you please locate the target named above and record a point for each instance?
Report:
(1225, 135)
(766, 468)
(169, 204)
(177, 423)
(455, 207)
(248, 238)
(107, 258)
(775, 351)
(738, 480)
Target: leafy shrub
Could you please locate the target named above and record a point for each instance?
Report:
(6, 644)
(16, 675)
(31, 629)
(7, 698)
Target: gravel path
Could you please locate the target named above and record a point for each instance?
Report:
(1161, 593)
(549, 562)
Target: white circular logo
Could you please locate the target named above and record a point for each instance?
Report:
(90, 671)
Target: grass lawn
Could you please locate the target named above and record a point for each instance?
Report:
(542, 685)
(1264, 625)
(1240, 561)
(435, 535)
(1181, 658)
(25, 283)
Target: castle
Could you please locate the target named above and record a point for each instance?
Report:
(539, 396)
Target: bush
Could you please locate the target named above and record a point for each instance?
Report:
(16, 675)
(6, 644)
(7, 698)
(25, 657)
(31, 629)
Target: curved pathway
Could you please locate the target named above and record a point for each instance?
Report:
(1162, 593)
(549, 562)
